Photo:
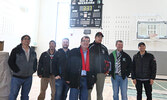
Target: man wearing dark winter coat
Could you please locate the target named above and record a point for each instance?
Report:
(144, 71)
(47, 70)
(120, 70)
(99, 64)
(78, 68)
(61, 85)
(23, 63)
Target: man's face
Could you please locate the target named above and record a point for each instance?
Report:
(85, 43)
(98, 39)
(52, 45)
(26, 41)
(142, 48)
(65, 44)
(119, 46)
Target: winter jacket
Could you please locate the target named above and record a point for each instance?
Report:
(126, 64)
(62, 61)
(18, 62)
(48, 65)
(144, 67)
(99, 58)
(74, 68)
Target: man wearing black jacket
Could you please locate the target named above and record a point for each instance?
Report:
(61, 85)
(120, 70)
(47, 70)
(78, 68)
(144, 71)
(23, 63)
(99, 64)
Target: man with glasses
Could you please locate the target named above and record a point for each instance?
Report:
(23, 63)
(78, 67)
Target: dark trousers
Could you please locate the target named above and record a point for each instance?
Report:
(81, 93)
(61, 89)
(148, 89)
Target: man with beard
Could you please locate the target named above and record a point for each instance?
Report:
(61, 85)
(47, 70)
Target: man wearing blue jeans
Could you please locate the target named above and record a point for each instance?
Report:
(78, 69)
(23, 63)
(120, 70)
(61, 85)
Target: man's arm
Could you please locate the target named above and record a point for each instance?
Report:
(153, 67)
(12, 61)
(35, 63)
(134, 70)
(129, 67)
(40, 66)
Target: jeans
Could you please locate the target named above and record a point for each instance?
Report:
(81, 93)
(61, 89)
(16, 84)
(148, 89)
(117, 83)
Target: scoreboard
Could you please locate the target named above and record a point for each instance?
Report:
(86, 13)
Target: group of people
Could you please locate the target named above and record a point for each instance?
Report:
(79, 69)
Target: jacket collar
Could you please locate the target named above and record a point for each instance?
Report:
(120, 51)
(20, 49)
(49, 52)
(61, 49)
(97, 43)
(139, 53)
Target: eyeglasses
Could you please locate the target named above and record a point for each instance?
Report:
(86, 41)
(26, 39)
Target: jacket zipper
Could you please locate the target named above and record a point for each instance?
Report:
(100, 59)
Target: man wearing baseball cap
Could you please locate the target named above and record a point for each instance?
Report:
(99, 64)
(143, 71)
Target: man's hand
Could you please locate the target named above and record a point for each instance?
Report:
(57, 77)
(40, 76)
(106, 73)
(68, 82)
(134, 81)
(151, 81)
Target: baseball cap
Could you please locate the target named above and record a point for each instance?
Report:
(99, 33)
(141, 43)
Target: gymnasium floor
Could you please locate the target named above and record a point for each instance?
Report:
(159, 90)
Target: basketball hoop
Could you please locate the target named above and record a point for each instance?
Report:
(153, 36)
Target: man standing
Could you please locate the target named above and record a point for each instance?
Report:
(61, 85)
(47, 70)
(98, 57)
(144, 71)
(23, 63)
(78, 67)
(120, 70)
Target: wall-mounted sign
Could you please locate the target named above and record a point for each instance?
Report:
(86, 13)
